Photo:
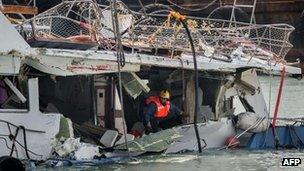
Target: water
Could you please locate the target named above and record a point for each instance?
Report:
(212, 160)
(208, 161)
(291, 106)
(292, 96)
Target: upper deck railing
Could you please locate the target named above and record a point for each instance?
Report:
(84, 21)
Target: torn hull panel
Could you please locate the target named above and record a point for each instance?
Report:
(212, 134)
(250, 90)
(182, 138)
(156, 142)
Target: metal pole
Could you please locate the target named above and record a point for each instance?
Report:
(276, 110)
(120, 56)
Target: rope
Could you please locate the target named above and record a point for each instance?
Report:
(294, 130)
(182, 18)
(13, 139)
(251, 127)
(258, 122)
(175, 15)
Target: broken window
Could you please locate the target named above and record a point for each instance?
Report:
(13, 94)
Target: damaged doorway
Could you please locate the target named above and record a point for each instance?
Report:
(100, 106)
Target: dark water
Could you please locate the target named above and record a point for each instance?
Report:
(291, 106)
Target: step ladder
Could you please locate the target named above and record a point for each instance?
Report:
(247, 4)
(250, 4)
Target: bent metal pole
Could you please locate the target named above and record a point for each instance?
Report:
(277, 105)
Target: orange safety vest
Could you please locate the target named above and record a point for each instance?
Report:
(161, 110)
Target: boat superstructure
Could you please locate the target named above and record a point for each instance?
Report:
(72, 49)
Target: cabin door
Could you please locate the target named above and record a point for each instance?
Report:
(100, 105)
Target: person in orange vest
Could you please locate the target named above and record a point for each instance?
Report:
(160, 110)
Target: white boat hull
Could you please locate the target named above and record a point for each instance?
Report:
(212, 135)
(40, 129)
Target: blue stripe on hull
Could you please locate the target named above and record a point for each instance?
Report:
(289, 137)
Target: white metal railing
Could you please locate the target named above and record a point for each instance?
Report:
(86, 21)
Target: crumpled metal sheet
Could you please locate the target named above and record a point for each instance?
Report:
(133, 84)
(155, 142)
(213, 134)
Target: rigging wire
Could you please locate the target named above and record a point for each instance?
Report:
(13, 138)
(156, 5)
(269, 100)
(189, 9)
(142, 7)
(298, 137)
(117, 34)
(257, 123)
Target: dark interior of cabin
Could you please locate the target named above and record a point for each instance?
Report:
(71, 96)
(8, 95)
(91, 99)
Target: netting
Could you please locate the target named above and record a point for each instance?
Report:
(214, 37)
(66, 20)
(78, 21)
(86, 21)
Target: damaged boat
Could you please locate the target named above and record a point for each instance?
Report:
(63, 70)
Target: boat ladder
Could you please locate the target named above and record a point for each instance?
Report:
(249, 4)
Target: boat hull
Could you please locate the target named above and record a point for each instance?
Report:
(212, 135)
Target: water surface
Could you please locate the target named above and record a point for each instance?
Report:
(292, 96)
